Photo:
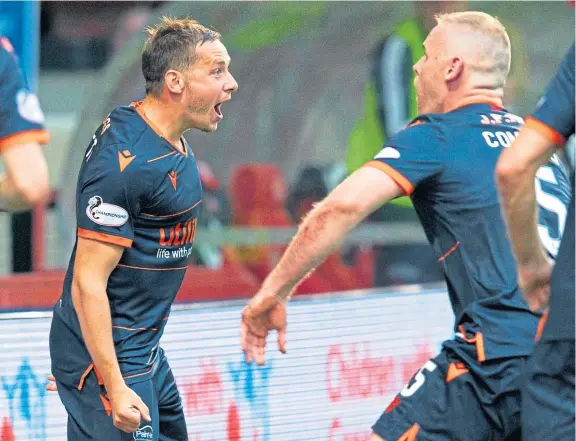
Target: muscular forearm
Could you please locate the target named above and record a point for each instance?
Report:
(518, 196)
(93, 309)
(321, 232)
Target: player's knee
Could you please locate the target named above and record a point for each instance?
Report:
(376, 437)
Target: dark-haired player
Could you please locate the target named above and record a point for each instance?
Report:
(137, 203)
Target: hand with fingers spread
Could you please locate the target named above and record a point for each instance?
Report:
(264, 313)
(128, 409)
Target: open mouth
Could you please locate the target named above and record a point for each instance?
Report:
(218, 109)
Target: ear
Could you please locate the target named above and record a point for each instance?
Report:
(455, 69)
(174, 81)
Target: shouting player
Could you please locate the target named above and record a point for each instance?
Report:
(137, 203)
(22, 132)
(548, 403)
(445, 160)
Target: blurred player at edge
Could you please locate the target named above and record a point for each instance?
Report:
(137, 205)
(446, 160)
(548, 400)
(25, 183)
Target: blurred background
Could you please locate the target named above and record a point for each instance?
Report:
(322, 86)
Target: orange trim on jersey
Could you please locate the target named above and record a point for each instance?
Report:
(478, 339)
(135, 329)
(395, 402)
(40, 136)
(450, 251)
(84, 375)
(153, 269)
(162, 157)
(103, 237)
(455, 370)
(99, 377)
(410, 434)
(107, 404)
(153, 126)
(541, 324)
(480, 346)
(398, 177)
(545, 130)
(468, 101)
(138, 375)
(171, 215)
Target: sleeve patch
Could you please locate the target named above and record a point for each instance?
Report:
(105, 214)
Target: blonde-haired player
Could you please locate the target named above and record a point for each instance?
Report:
(445, 160)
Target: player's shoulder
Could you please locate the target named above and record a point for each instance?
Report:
(424, 130)
(122, 125)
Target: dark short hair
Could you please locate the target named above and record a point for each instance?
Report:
(171, 45)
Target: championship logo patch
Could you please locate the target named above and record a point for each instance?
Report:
(105, 214)
(143, 434)
(29, 106)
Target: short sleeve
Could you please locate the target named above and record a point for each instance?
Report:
(21, 118)
(108, 197)
(554, 116)
(412, 156)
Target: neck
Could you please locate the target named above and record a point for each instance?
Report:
(164, 116)
(454, 101)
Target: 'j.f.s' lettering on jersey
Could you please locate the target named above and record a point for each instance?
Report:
(446, 162)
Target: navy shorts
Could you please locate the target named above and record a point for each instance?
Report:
(455, 397)
(89, 416)
(548, 397)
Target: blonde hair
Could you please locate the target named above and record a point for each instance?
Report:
(491, 43)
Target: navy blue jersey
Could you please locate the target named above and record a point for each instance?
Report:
(554, 118)
(21, 119)
(136, 190)
(446, 162)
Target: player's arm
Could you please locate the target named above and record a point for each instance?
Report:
(546, 130)
(326, 226)
(515, 175)
(320, 233)
(94, 262)
(101, 241)
(25, 183)
(395, 171)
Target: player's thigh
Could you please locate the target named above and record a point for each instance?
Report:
(440, 403)
(548, 396)
(172, 422)
(89, 417)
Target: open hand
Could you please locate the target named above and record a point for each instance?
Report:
(264, 313)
